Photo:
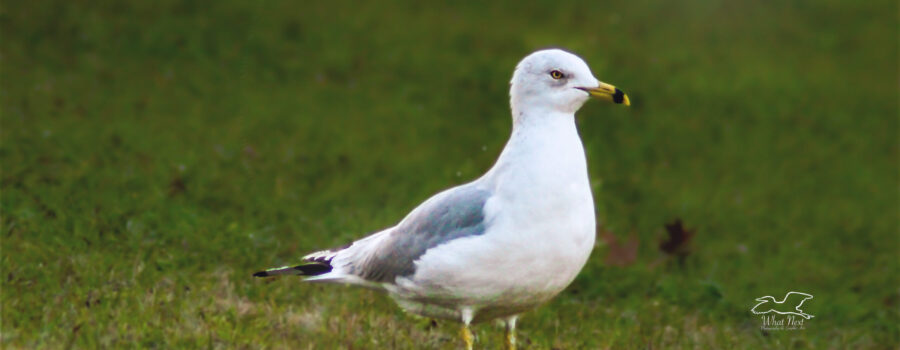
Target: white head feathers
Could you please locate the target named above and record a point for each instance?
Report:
(550, 81)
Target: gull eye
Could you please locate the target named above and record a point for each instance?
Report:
(555, 74)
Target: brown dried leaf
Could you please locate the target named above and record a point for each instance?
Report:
(620, 253)
(678, 242)
(177, 186)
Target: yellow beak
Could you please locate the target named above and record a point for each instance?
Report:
(609, 93)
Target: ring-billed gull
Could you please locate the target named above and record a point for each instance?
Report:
(504, 243)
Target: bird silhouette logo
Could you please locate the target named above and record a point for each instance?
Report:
(790, 305)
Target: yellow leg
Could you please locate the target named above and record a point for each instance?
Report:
(467, 314)
(511, 333)
(510, 339)
(467, 337)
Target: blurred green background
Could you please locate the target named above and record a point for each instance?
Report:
(155, 154)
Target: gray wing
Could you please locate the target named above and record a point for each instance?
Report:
(455, 213)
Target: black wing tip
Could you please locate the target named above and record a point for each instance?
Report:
(313, 269)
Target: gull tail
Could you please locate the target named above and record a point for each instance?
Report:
(332, 265)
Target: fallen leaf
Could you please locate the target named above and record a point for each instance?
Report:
(678, 242)
(620, 253)
(177, 186)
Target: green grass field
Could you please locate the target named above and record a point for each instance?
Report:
(155, 154)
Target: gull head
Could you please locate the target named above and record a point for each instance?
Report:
(557, 81)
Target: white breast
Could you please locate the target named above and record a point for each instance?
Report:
(541, 226)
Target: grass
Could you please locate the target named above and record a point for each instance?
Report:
(155, 155)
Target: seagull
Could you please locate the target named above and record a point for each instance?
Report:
(504, 243)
